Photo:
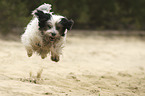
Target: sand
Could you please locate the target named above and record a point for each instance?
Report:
(91, 65)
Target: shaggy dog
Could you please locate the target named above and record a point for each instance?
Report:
(46, 33)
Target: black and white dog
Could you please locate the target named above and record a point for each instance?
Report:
(46, 33)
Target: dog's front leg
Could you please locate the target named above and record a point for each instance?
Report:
(54, 57)
(55, 53)
(44, 53)
(29, 51)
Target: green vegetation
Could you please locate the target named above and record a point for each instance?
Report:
(87, 14)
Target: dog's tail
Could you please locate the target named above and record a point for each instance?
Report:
(44, 7)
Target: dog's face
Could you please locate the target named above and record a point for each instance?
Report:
(53, 26)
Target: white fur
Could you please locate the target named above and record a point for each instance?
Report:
(33, 41)
(45, 7)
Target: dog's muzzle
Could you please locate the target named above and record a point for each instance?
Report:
(52, 38)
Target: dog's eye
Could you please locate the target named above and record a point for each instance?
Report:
(49, 26)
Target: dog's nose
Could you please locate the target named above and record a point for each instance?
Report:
(53, 34)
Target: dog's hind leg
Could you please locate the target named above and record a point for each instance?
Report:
(43, 53)
(43, 56)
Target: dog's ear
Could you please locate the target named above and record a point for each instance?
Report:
(70, 24)
(42, 16)
(67, 23)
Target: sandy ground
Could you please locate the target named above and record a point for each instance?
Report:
(91, 65)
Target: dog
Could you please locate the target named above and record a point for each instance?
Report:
(46, 33)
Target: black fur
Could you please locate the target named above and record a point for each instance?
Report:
(61, 26)
(66, 24)
(42, 17)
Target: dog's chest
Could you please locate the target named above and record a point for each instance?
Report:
(44, 45)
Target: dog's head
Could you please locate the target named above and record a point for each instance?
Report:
(53, 26)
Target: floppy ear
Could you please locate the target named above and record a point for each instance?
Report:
(70, 24)
(42, 16)
(67, 23)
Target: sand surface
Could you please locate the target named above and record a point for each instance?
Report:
(91, 65)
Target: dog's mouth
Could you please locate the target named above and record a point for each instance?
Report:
(51, 38)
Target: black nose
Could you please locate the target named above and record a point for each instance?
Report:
(53, 34)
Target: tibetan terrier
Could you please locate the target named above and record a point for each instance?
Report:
(46, 33)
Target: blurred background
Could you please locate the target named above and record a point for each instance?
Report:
(104, 54)
(87, 14)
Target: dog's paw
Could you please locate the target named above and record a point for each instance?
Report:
(43, 56)
(29, 51)
(55, 58)
(29, 54)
